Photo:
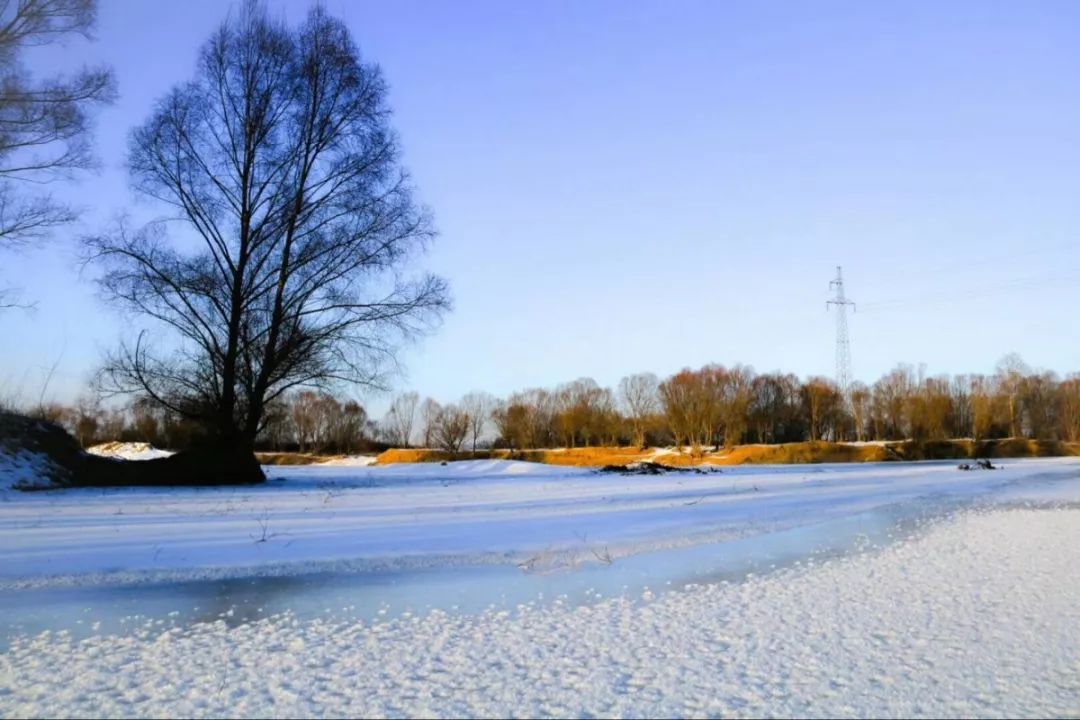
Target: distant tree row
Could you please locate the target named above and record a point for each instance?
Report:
(309, 421)
(725, 406)
(91, 422)
(304, 421)
(452, 427)
(713, 406)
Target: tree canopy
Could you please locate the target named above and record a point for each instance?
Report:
(296, 222)
(45, 124)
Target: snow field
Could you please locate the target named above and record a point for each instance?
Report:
(978, 616)
(316, 518)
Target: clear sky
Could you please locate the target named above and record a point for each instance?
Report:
(629, 186)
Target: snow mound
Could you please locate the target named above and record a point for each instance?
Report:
(34, 454)
(23, 468)
(350, 461)
(128, 451)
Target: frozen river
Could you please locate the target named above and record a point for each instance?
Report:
(379, 550)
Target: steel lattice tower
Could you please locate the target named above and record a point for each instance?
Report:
(843, 346)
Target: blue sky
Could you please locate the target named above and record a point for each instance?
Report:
(629, 186)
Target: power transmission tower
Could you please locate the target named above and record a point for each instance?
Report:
(843, 346)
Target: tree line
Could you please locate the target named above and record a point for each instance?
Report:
(304, 421)
(714, 406)
(718, 406)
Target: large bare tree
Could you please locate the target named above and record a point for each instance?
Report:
(45, 124)
(280, 164)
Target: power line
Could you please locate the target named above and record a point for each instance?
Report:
(1058, 251)
(987, 290)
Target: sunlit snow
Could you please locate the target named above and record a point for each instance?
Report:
(501, 588)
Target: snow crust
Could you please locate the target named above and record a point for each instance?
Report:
(22, 467)
(978, 616)
(321, 518)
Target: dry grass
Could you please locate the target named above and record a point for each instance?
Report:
(287, 458)
(1004, 448)
(784, 454)
(576, 457)
(579, 457)
(804, 452)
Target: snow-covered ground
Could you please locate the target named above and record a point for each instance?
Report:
(522, 589)
(428, 515)
(128, 451)
(979, 617)
(349, 461)
(24, 468)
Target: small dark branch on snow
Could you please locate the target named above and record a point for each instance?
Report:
(603, 556)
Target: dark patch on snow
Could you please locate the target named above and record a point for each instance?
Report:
(979, 465)
(646, 467)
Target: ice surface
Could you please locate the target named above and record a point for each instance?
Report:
(495, 587)
(318, 518)
(978, 616)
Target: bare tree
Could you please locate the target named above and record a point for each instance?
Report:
(684, 399)
(304, 410)
(580, 411)
(281, 163)
(1010, 375)
(526, 419)
(639, 395)
(822, 399)
(539, 407)
(982, 393)
(1070, 408)
(938, 407)
(397, 425)
(451, 427)
(146, 421)
(45, 125)
(478, 406)
(960, 397)
(87, 420)
(349, 428)
(1041, 401)
(429, 419)
(859, 395)
(736, 393)
(776, 408)
(890, 399)
(513, 420)
(277, 428)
